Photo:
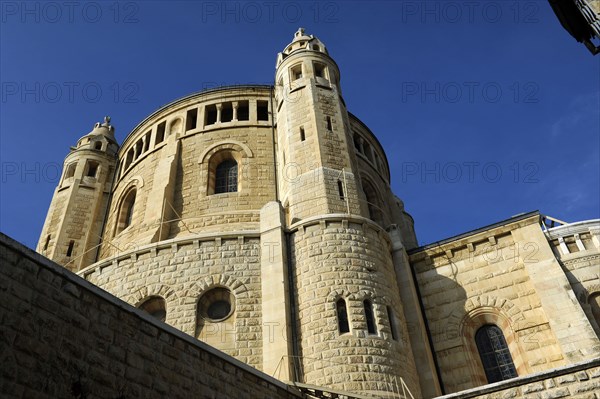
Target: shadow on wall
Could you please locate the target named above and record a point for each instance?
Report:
(475, 339)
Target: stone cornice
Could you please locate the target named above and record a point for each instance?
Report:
(471, 238)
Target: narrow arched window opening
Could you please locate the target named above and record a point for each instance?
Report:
(319, 70)
(70, 170)
(92, 168)
(356, 141)
(160, 132)
(155, 306)
(296, 72)
(70, 248)
(494, 353)
(341, 189)
(125, 216)
(129, 214)
(262, 110)
(128, 158)
(392, 320)
(370, 317)
(226, 177)
(342, 316)
(373, 203)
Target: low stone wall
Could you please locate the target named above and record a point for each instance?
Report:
(62, 337)
(578, 381)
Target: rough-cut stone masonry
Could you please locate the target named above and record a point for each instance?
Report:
(62, 337)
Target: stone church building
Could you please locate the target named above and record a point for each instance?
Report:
(260, 221)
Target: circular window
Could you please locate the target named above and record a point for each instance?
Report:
(156, 307)
(216, 304)
(218, 309)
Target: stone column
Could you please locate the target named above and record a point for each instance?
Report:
(275, 298)
(414, 319)
(160, 198)
(219, 107)
(235, 105)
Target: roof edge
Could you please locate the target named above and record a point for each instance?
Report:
(504, 222)
(187, 97)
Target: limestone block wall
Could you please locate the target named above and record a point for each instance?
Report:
(373, 168)
(73, 226)
(577, 247)
(170, 160)
(256, 180)
(505, 275)
(180, 272)
(140, 178)
(350, 260)
(48, 242)
(62, 337)
(317, 175)
(310, 170)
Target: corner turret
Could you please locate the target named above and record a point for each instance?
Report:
(73, 228)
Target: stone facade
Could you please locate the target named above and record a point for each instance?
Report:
(62, 337)
(509, 276)
(299, 260)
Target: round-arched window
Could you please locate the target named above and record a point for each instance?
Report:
(216, 304)
(155, 306)
(219, 309)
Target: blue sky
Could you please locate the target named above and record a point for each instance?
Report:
(486, 109)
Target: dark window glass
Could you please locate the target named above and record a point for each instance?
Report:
(160, 132)
(243, 111)
(215, 305)
(70, 249)
(218, 309)
(341, 189)
(370, 317)
(226, 179)
(155, 307)
(494, 354)
(211, 114)
(342, 316)
(191, 119)
(262, 110)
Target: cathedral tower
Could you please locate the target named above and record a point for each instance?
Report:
(73, 227)
(315, 166)
(333, 181)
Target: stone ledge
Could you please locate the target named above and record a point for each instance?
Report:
(165, 244)
(521, 381)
